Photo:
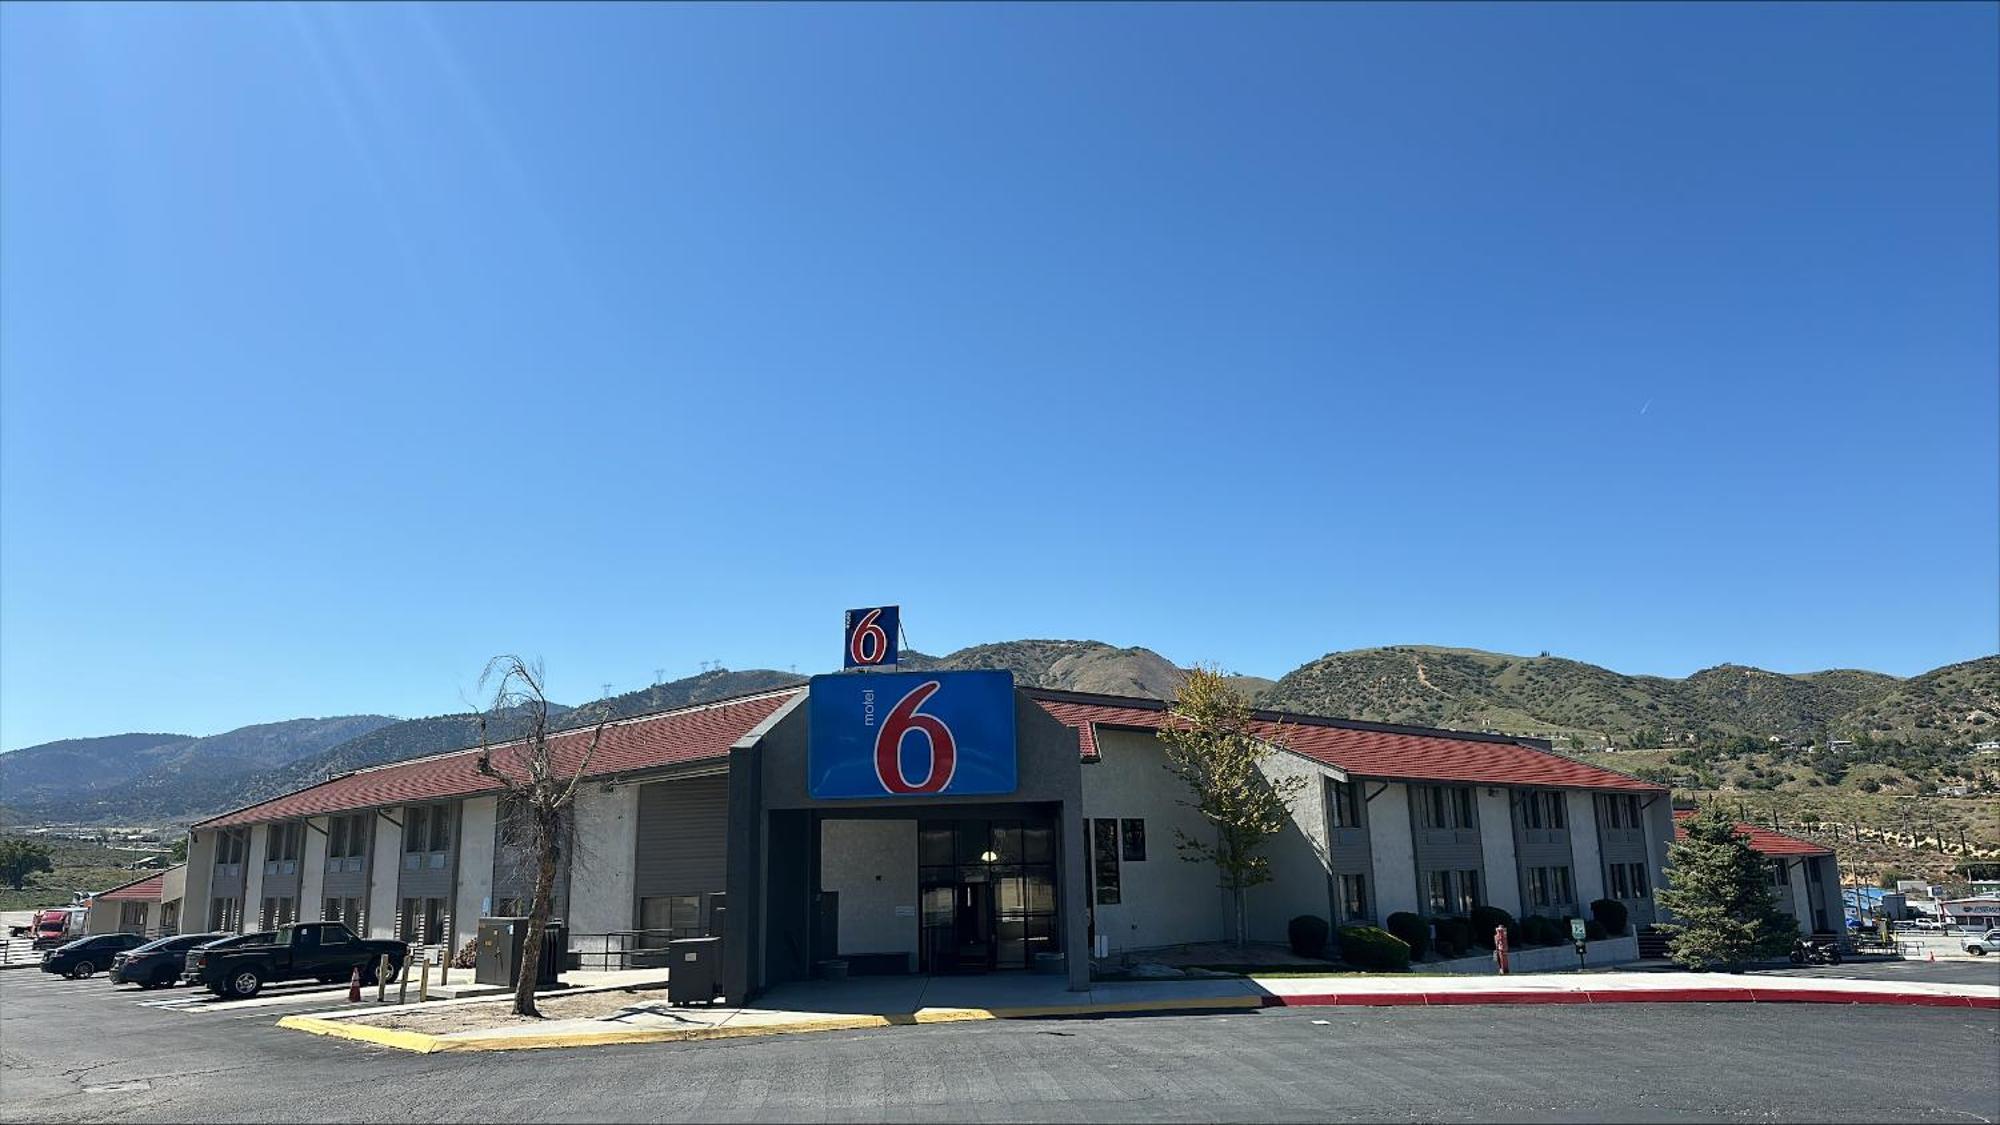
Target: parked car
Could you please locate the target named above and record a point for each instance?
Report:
(223, 941)
(158, 963)
(1979, 945)
(84, 956)
(1931, 924)
(57, 925)
(323, 951)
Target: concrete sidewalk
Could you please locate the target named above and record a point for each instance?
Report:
(890, 1001)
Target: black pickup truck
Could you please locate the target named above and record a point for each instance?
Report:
(323, 951)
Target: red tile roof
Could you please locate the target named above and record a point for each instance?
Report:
(147, 889)
(1363, 749)
(1765, 841)
(692, 734)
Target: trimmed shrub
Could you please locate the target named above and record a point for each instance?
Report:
(1307, 934)
(1445, 949)
(1415, 931)
(1373, 948)
(1537, 930)
(1593, 930)
(1483, 921)
(1610, 914)
(1456, 931)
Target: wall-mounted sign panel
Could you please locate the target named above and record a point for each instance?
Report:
(911, 734)
(870, 636)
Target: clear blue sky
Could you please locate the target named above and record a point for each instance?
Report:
(345, 347)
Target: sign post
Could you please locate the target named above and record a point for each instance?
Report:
(1576, 934)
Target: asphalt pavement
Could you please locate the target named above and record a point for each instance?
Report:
(81, 1051)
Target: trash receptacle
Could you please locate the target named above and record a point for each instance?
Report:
(694, 970)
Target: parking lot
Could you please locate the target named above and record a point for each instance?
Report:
(85, 1051)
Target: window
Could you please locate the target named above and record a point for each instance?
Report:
(1531, 810)
(1440, 892)
(1353, 898)
(426, 836)
(346, 842)
(423, 921)
(1813, 872)
(1550, 886)
(1778, 873)
(1344, 801)
(668, 916)
(1620, 811)
(1465, 888)
(1104, 866)
(225, 914)
(277, 911)
(1620, 885)
(1641, 886)
(1132, 833)
(1445, 806)
(1544, 809)
(1558, 809)
(231, 845)
(345, 910)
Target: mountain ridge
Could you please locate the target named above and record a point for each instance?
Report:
(1582, 707)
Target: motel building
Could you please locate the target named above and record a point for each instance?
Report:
(943, 822)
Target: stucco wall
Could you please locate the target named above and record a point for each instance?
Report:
(1163, 900)
(253, 878)
(601, 889)
(1659, 834)
(386, 855)
(173, 889)
(475, 867)
(312, 870)
(1298, 854)
(200, 867)
(1587, 860)
(872, 865)
(1394, 852)
(1496, 850)
(1800, 906)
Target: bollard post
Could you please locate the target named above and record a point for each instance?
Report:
(382, 979)
(424, 984)
(444, 972)
(403, 986)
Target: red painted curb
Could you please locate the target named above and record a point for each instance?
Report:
(1629, 996)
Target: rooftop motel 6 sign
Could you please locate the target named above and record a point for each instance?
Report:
(911, 734)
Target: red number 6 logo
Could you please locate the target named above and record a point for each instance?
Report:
(869, 643)
(903, 719)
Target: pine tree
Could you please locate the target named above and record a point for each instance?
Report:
(1720, 892)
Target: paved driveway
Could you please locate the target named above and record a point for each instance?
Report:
(78, 1051)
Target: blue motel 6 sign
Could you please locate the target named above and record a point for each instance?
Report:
(911, 734)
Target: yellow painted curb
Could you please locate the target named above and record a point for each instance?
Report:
(432, 1044)
(367, 1033)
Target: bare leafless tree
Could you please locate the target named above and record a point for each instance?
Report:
(540, 791)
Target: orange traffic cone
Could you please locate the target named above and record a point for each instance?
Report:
(354, 986)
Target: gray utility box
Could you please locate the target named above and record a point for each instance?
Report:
(694, 970)
(502, 944)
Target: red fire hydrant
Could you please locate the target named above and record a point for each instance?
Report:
(354, 986)
(1500, 948)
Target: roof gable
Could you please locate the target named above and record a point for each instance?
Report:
(1764, 841)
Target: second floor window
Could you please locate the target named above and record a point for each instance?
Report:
(1445, 806)
(426, 828)
(230, 846)
(1345, 799)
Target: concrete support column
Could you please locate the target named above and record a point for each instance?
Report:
(1496, 849)
(253, 878)
(312, 869)
(1392, 847)
(601, 889)
(385, 872)
(474, 896)
(1586, 857)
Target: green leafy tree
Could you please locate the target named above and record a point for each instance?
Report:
(1211, 747)
(1720, 892)
(178, 851)
(21, 858)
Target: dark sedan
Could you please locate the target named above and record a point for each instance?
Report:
(157, 964)
(84, 956)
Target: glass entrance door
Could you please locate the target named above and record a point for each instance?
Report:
(989, 894)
